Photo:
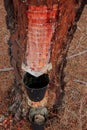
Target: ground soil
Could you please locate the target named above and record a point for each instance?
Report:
(72, 114)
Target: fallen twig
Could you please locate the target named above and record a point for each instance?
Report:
(6, 69)
(80, 81)
(78, 44)
(78, 54)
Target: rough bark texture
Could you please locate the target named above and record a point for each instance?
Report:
(17, 23)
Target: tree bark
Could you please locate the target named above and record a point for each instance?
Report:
(17, 23)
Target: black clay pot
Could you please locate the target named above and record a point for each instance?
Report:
(36, 94)
(36, 86)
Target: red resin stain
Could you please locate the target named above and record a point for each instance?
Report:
(41, 26)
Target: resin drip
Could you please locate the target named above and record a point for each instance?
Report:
(41, 27)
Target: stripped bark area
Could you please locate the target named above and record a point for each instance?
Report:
(17, 23)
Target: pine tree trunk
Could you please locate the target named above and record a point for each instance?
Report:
(68, 14)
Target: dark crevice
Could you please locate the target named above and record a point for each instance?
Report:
(10, 14)
(79, 11)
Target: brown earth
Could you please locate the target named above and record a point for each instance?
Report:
(72, 114)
